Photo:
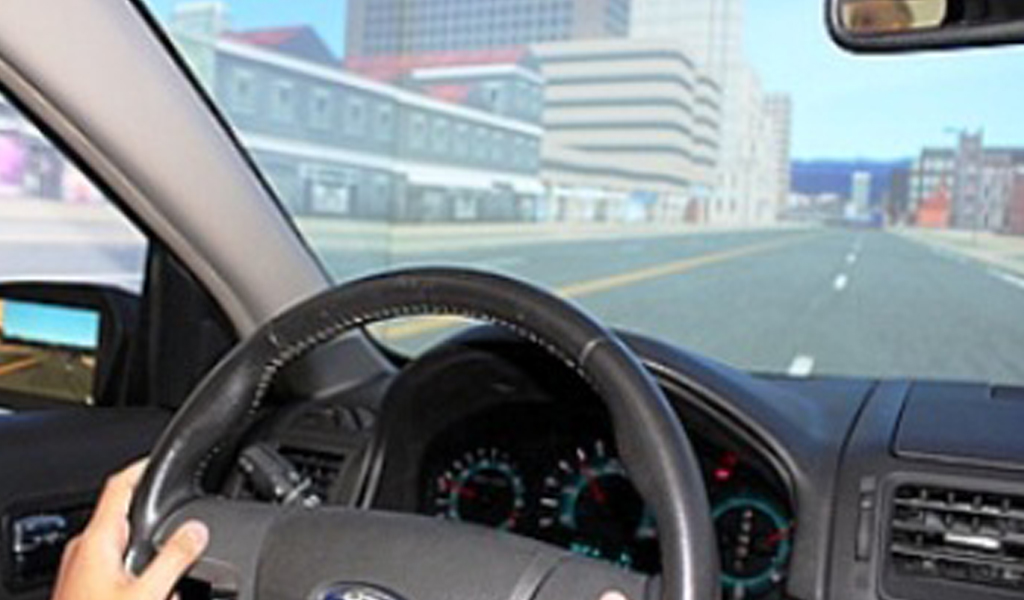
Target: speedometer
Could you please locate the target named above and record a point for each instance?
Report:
(753, 539)
(482, 486)
(589, 505)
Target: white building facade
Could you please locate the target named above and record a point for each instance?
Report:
(753, 142)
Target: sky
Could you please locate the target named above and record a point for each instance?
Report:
(845, 107)
(48, 324)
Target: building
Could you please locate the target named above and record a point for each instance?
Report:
(632, 131)
(1015, 206)
(860, 192)
(779, 108)
(979, 182)
(934, 170)
(753, 172)
(897, 202)
(712, 30)
(397, 27)
(435, 144)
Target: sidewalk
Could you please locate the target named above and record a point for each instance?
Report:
(30, 220)
(1004, 251)
(434, 237)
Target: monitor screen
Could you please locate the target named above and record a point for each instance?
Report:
(48, 350)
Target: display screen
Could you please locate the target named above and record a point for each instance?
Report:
(48, 350)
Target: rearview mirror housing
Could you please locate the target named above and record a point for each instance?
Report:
(889, 26)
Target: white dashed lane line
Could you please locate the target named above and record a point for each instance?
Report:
(841, 282)
(802, 366)
(851, 258)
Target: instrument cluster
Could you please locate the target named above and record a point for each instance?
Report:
(556, 476)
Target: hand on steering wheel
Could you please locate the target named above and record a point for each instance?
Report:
(93, 563)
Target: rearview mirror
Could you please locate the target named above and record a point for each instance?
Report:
(905, 25)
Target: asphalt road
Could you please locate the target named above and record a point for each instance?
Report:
(835, 302)
(802, 302)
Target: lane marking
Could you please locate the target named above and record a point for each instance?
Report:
(802, 366)
(841, 282)
(851, 258)
(424, 325)
(20, 365)
(1008, 278)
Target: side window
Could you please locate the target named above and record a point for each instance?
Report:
(58, 341)
(55, 226)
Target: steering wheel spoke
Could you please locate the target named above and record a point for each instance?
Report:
(238, 535)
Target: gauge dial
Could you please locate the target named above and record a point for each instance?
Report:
(754, 542)
(482, 486)
(589, 502)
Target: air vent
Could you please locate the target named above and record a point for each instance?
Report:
(947, 534)
(322, 468)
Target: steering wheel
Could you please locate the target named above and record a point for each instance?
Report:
(267, 552)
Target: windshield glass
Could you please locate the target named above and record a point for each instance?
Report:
(715, 173)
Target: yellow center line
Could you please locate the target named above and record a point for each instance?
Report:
(581, 289)
(20, 365)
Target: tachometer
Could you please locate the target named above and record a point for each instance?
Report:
(589, 505)
(482, 486)
(754, 542)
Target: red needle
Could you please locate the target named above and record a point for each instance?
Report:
(777, 537)
(594, 487)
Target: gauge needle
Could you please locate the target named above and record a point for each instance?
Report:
(776, 537)
(594, 487)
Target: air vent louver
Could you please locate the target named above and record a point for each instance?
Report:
(948, 534)
(322, 468)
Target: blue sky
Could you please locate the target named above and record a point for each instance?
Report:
(845, 106)
(55, 325)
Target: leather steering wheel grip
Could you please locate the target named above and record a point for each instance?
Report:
(653, 445)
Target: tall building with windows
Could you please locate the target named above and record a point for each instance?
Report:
(631, 131)
(750, 173)
(395, 27)
(711, 30)
(780, 114)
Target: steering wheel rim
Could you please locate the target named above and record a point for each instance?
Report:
(652, 443)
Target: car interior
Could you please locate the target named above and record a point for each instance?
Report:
(539, 453)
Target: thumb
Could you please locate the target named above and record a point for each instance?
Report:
(177, 555)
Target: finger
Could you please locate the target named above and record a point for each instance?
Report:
(173, 560)
(116, 497)
(70, 549)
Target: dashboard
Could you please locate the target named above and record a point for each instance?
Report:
(516, 442)
(554, 475)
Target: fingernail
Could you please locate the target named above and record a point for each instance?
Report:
(196, 532)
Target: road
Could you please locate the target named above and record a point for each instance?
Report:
(803, 302)
(836, 302)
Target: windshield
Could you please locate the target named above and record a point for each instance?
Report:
(715, 173)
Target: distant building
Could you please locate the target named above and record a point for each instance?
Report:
(934, 170)
(632, 131)
(780, 114)
(860, 192)
(1015, 205)
(978, 180)
(396, 27)
(430, 144)
(898, 201)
